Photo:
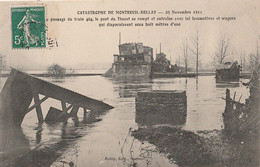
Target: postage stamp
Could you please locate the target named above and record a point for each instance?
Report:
(28, 27)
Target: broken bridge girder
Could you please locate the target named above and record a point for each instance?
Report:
(74, 110)
(63, 105)
(64, 111)
(21, 88)
(38, 107)
(36, 104)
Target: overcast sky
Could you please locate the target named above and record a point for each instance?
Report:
(86, 43)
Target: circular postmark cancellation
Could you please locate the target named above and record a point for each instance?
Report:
(28, 27)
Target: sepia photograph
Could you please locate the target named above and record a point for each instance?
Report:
(96, 83)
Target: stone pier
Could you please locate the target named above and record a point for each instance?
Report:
(161, 107)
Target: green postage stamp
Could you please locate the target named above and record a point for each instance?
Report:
(28, 27)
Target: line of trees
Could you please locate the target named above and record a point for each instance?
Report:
(185, 50)
(191, 51)
(223, 50)
(195, 49)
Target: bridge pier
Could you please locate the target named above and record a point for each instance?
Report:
(85, 113)
(38, 107)
(74, 111)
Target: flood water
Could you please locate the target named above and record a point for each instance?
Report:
(108, 142)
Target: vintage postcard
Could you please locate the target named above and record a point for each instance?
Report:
(142, 83)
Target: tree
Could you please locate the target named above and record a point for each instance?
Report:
(185, 57)
(223, 50)
(253, 61)
(242, 59)
(196, 49)
(2, 62)
(56, 70)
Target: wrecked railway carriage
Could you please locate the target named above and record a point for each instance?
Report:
(134, 60)
(228, 72)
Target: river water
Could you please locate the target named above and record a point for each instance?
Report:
(109, 142)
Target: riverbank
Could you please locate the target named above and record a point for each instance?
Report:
(65, 75)
(200, 149)
(154, 75)
(172, 75)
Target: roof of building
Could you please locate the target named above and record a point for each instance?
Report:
(228, 65)
(129, 43)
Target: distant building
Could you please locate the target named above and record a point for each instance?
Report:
(162, 64)
(133, 60)
(136, 60)
(134, 52)
(228, 72)
(161, 58)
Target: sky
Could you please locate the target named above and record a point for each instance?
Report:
(82, 44)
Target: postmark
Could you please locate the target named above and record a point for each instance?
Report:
(28, 27)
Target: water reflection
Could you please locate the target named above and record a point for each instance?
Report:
(56, 79)
(13, 144)
(130, 90)
(149, 118)
(133, 80)
(227, 80)
(227, 85)
(129, 87)
(197, 83)
(38, 136)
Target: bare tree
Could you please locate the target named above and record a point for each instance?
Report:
(253, 61)
(185, 57)
(242, 59)
(196, 48)
(223, 50)
(2, 64)
(2, 61)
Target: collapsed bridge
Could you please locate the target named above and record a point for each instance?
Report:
(21, 88)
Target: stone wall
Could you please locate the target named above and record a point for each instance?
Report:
(161, 107)
(131, 70)
(231, 74)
